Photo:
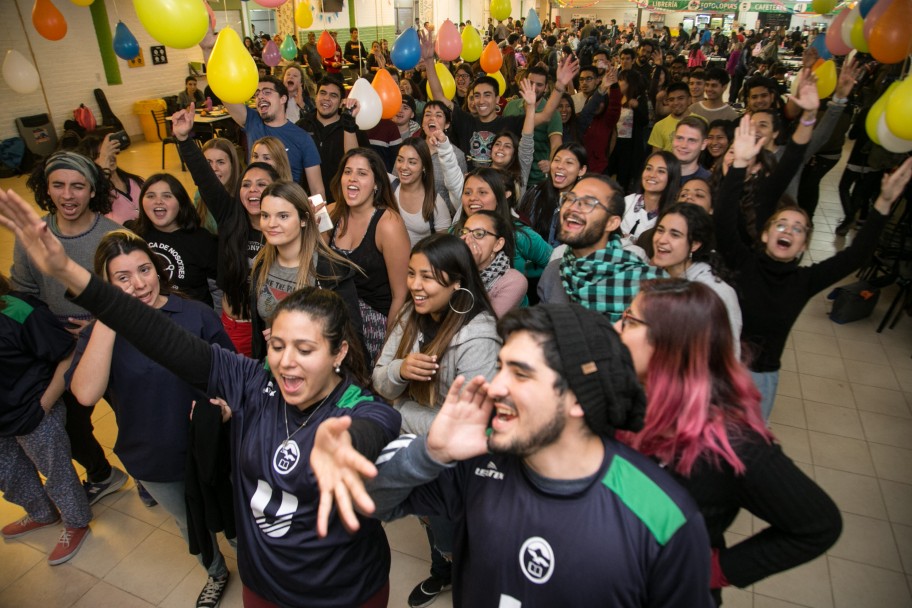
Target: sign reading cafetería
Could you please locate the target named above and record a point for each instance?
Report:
(720, 6)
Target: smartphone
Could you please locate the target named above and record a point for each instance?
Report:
(122, 137)
(324, 223)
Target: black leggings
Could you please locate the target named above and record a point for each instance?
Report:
(86, 449)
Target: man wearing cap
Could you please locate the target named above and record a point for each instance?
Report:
(551, 510)
(597, 269)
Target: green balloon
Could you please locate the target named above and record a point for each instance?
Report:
(288, 50)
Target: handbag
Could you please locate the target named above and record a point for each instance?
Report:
(853, 302)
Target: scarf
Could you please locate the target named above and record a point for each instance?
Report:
(606, 280)
(496, 269)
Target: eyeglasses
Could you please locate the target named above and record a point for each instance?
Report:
(259, 92)
(477, 233)
(627, 317)
(463, 77)
(585, 203)
(796, 229)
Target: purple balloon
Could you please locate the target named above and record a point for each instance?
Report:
(271, 55)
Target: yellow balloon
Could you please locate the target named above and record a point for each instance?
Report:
(500, 9)
(176, 23)
(82, 2)
(501, 83)
(446, 82)
(471, 44)
(231, 71)
(858, 39)
(303, 17)
(899, 109)
(876, 111)
(826, 79)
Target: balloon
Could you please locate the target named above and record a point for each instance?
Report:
(289, 49)
(501, 83)
(369, 103)
(19, 73)
(899, 109)
(326, 46)
(491, 58)
(231, 71)
(834, 41)
(500, 9)
(125, 43)
(823, 7)
(48, 21)
(176, 23)
(848, 25)
(270, 3)
(858, 39)
(889, 140)
(873, 16)
(449, 44)
(406, 51)
(892, 33)
(865, 6)
(822, 50)
(471, 44)
(389, 93)
(826, 79)
(303, 17)
(271, 55)
(532, 26)
(876, 113)
(446, 82)
(82, 2)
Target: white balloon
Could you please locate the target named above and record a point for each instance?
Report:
(370, 106)
(889, 141)
(19, 73)
(847, 25)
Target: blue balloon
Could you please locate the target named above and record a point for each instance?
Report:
(406, 51)
(865, 6)
(820, 44)
(532, 25)
(125, 44)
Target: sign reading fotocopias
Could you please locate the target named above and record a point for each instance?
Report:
(719, 6)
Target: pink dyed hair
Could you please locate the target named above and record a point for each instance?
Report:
(700, 399)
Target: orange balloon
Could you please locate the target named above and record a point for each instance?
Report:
(491, 58)
(48, 21)
(891, 36)
(389, 93)
(326, 46)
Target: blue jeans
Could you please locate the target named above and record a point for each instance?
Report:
(170, 495)
(766, 383)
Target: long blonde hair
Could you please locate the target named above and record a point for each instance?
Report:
(276, 150)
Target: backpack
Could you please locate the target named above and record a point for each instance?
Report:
(85, 118)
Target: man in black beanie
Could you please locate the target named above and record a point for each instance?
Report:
(550, 509)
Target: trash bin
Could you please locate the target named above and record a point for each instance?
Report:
(143, 109)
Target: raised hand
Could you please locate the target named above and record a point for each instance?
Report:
(418, 367)
(353, 105)
(340, 471)
(182, 122)
(527, 92)
(848, 78)
(567, 69)
(459, 430)
(427, 45)
(807, 98)
(746, 146)
(892, 186)
(610, 77)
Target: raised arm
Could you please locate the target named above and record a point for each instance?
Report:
(807, 101)
(237, 111)
(427, 56)
(727, 203)
(566, 71)
(453, 176)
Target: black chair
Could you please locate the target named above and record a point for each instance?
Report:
(164, 133)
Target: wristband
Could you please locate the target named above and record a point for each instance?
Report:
(840, 101)
(348, 123)
(809, 123)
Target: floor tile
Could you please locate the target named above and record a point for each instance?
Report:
(814, 324)
(858, 494)
(904, 376)
(868, 541)
(819, 344)
(794, 442)
(789, 411)
(856, 350)
(732, 597)
(898, 501)
(826, 390)
(806, 585)
(17, 559)
(881, 401)
(762, 601)
(841, 453)
(833, 419)
(45, 585)
(856, 585)
(104, 595)
(788, 384)
(872, 375)
(114, 536)
(824, 366)
(862, 331)
(888, 430)
(892, 463)
(186, 592)
(787, 361)
(154, 568)
(903, 536)
(408, 536)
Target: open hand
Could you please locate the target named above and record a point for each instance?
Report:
(459, 430)
(527, 92)
(567, 70)
(746, 146)
(893, 184)
(427, 45)
(807, 98)
(848, 78)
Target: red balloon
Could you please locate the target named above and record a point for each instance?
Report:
(326, 46)
(891, 35)
(491, 58)
(48, 21)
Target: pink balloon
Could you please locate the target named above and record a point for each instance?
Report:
(271, 54)
(834, 42)
(211, 15)
(449, 42)
(873, 15)
(270, 3)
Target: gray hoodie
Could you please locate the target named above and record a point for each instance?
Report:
(472, 352)
(701, 272)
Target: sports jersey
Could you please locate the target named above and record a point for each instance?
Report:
(629, 536)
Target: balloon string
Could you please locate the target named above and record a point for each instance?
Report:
(35, 63)
(116, 12)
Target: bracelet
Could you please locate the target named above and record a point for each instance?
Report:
(840, 101)
(809, 123)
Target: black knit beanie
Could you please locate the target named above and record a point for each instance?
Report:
(598, 368)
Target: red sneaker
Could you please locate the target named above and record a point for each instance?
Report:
(67, 545)
(24, 526)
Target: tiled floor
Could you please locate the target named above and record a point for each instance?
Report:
(844, 413)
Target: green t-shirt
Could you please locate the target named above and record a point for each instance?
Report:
(541, 135)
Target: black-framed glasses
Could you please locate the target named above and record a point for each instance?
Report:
(627, 317)
(585, 203)
(463, 77)
(477, 233)
(259, 92)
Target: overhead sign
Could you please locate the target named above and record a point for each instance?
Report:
(720, 6)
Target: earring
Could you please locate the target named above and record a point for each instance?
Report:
(337, 368)
(467, 310)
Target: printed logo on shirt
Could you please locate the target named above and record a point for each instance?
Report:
(273, 511)
(480, 147)
(536, 558)
(172, 260)
(286, 457)
(270, 389)
(489, 471)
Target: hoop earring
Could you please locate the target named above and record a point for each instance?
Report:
(467, 310)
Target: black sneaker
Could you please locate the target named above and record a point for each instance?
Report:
(97, 491)
(144, 495)
(427, 591)
(844, 226)
(211, 594)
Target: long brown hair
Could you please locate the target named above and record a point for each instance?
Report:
(427, 175)
(383, 193)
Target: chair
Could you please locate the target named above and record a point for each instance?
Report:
(892, 263)
(38, 133)
(165, 135)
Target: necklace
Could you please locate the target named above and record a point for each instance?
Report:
(288, 435)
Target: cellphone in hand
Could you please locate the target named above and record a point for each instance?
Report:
(324, 222)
